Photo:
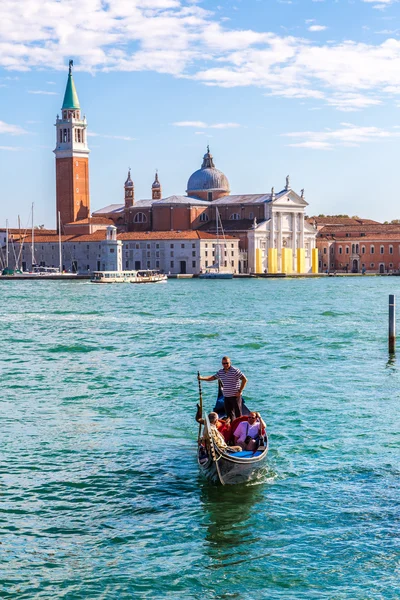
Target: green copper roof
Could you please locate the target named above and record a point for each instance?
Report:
(71, 99)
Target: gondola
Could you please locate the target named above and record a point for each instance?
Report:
(224, 467)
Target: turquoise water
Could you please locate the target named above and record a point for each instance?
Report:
(100, 491)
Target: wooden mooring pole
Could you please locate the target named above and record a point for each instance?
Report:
(392, 324)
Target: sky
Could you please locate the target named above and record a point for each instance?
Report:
(306, 88)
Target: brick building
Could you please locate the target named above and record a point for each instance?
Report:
(353, 245)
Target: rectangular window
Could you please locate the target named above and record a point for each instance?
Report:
(347, 249)
(182, 245)
(157, 245)
(340, 249)
(171, 246)
(390, 249)
(324, 250)
(137, 246)
(193, 252)
(172, 264)
(193, 245)
(193, 264)
(172, 252)
(148, 264)
(148, 246)
(157, 264)
(148, 254)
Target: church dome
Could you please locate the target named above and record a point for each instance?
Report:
(208, 178)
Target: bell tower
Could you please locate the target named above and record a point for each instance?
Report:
(129, 191)
(72, 159)
(156, 190)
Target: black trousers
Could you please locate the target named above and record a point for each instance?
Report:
(233, 407)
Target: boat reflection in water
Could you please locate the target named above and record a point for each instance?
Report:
(143, 276)
(232, 531)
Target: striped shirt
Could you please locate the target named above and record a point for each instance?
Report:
(230, 380)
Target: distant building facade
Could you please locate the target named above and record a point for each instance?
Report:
(184, 252)
(356, 245)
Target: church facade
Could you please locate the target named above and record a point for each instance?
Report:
(273, 233)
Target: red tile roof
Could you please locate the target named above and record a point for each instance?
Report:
(169, 235)
(339, 221)
(92, 221)
(100, 235)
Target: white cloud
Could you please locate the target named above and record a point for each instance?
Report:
(11, 148)
(347, 135)
(11, 129)
(180, 38)
(125, 138)
(317, 28)
(43, 92)
(202, 125)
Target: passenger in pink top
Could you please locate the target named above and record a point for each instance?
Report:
(248, 432)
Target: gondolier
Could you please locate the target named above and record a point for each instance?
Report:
(233, 382)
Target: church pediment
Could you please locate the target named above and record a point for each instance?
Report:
(289, 200)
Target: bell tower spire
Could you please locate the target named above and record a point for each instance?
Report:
(129, 191)
(156, 190)
(72, 158)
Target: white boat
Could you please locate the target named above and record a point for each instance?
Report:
(216, 271)
(144, 276)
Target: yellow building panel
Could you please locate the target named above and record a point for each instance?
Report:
(301, 260)
(315, 260)
(259, 261)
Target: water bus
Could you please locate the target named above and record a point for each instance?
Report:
(143, 276)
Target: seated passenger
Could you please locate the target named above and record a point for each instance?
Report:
(218, 437)
(248, 433)
(223, 425)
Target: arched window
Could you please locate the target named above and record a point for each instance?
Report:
(390, 249)
(362, 249)
(382, 249)
(65, 135)
(204, 217)
(340, 250)
(372, 249)
(353, 248)
(347, 249)
(140, 218)
(234, 217)
(357, 249)
(60, 136)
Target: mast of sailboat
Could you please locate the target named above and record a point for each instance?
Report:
(33, 241)
(217, 250)
(59, 240)
(7, 243)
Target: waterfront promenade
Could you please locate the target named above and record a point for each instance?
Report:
(101, 495)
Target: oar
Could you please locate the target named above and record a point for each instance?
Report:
(200, 400)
